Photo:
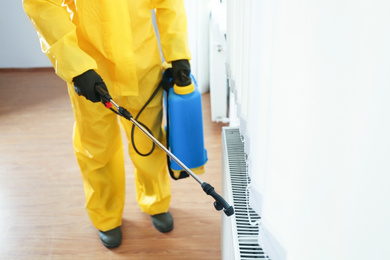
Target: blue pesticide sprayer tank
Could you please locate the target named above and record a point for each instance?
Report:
(185, 130)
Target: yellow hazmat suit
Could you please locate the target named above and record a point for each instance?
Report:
(117, 40)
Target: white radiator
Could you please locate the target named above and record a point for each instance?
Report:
(219, 94)
(239, 234)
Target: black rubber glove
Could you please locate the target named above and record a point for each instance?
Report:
(181, 70)
(85, 83)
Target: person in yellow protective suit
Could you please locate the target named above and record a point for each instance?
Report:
(113, 44)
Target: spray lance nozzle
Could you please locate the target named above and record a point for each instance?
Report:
(220, 203)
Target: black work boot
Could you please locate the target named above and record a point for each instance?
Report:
(163, 222)
(111, 238)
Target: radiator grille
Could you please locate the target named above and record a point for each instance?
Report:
(247, 233)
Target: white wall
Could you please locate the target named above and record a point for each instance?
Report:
(19, 45)
(314, 111)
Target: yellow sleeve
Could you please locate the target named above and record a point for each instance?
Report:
(58, 38)
(172, 26)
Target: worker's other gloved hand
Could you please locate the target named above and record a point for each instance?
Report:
(181, 73)
(85, 83)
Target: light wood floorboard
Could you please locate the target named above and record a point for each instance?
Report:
(42, 213)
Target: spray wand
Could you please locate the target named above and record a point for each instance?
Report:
(219, 204)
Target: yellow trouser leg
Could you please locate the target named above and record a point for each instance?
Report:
(99, 151)
(151, 177)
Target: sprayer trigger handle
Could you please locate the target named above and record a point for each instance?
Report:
(104, 95)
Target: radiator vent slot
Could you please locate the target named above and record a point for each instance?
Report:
(244, 235)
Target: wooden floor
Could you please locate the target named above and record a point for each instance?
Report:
(42, 213)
